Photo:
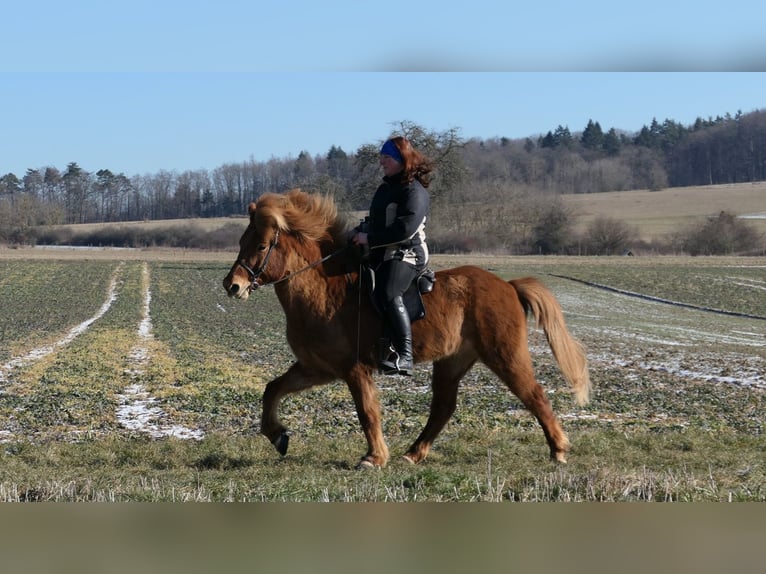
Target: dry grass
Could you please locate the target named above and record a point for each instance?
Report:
(653, 213)
(657, 213)
(205, 224)
(66, 253)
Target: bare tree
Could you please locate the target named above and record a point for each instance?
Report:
(724, 234)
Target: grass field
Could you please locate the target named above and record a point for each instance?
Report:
(128, 375)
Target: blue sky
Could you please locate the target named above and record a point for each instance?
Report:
(144, 122)
(142, 86)
(353, 35)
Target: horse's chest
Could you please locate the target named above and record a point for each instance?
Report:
(311, 344)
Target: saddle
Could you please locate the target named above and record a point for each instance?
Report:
(413, 296)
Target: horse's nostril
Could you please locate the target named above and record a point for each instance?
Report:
(234, 288)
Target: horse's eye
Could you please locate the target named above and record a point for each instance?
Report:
(262, 247)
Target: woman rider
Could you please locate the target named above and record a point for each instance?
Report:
(397, 242)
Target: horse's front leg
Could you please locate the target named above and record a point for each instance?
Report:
(295, 379)
(365, 393)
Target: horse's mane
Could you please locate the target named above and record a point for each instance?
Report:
(308, 216)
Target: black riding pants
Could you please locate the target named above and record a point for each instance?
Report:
(392, 278)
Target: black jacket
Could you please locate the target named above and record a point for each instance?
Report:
(397, 222)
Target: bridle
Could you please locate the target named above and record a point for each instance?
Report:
(254, 274)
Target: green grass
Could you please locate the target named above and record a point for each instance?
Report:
(43, 297)
(651, 432)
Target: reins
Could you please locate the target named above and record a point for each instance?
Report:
(255, 274)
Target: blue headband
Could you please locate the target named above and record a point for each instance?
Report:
(389, 148)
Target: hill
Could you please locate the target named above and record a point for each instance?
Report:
(654, 214)
(657, 213)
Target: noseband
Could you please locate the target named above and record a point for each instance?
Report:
(255, 274)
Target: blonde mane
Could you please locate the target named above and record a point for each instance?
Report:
(310, 217)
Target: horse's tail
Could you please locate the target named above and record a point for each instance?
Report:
(538, 300)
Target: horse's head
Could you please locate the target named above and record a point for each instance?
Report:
(259, 260)
(284, 234)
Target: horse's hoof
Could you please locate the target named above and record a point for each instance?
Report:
(559, 457)
(281, 443)
(408, 459)
(365, 464)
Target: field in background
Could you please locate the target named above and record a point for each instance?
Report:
(205, 224)
(658, 213)
(653, 213)
(129, 375)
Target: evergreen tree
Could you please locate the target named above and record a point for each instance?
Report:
(548, 141)
(644, 138)
(10, 185)
(592, 136)
(337, 162)
(563, 137)
(611, 143)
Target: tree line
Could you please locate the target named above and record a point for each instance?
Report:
(475, 179)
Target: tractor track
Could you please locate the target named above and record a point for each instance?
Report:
(658, 299)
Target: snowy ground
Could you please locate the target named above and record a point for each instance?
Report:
(620, 331)
(638, 334)
(138, 410)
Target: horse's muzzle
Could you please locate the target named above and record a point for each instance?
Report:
(236, 288)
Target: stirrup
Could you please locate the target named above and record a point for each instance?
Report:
(393, 367)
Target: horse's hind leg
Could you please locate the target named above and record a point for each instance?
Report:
(295, 379)
(518, 375)
(446, 377)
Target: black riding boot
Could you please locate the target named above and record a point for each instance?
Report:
(399, 361)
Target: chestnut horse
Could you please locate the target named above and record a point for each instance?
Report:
(298, 243)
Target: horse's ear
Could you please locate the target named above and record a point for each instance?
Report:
(251, 208)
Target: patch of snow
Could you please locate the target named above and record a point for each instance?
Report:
(137, 410)
(40, 352)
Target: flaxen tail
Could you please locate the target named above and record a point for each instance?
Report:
(569, 353)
